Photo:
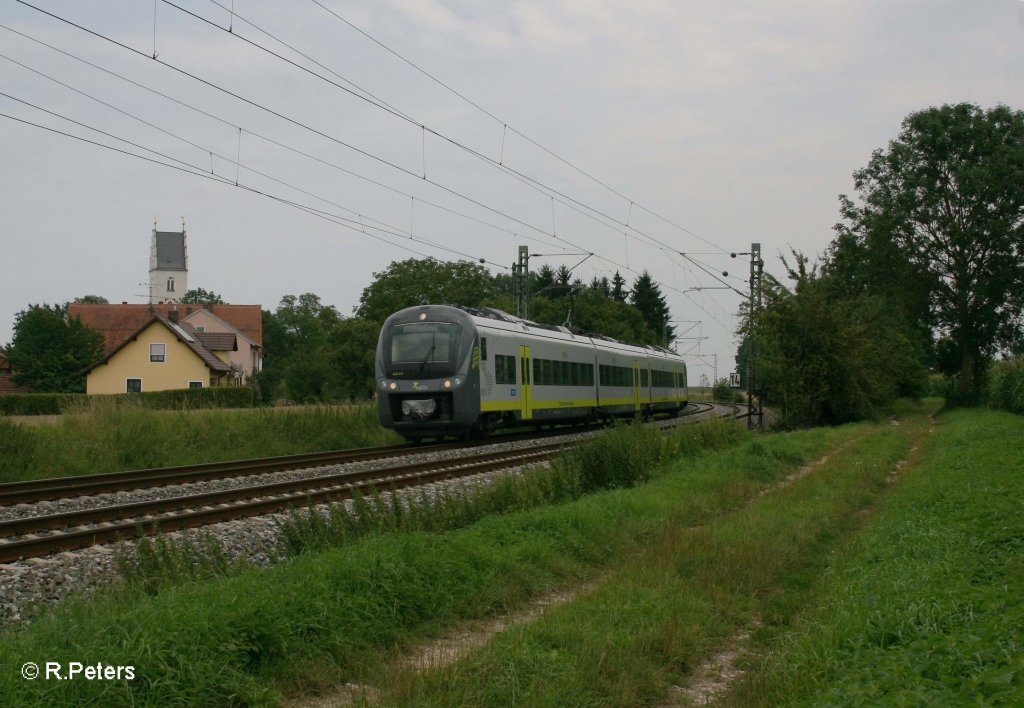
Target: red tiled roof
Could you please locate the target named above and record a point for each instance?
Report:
(217, 341)
(118, 322)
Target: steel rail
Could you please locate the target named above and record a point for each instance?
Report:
(138, 519)
(135, 520)
(48, 489)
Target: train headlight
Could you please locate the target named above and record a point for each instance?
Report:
(393, 385)
(447, 383)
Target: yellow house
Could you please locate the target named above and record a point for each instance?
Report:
(161, 355)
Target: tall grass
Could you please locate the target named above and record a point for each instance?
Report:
(1004, 386)
(620, 457)
(326, 616)
(105, 436)
(685, 591)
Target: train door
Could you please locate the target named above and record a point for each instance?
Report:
(636, 385)
(526, 409)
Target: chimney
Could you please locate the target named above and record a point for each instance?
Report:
(173, 316)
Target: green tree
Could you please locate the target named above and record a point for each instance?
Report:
(948, 193)
(350, 351)
(618, 289)
(425, 281)
(91, 300)
(295, 362)
(199, 296)
(646, 297)
(542, 279)
(594, 313)
(825, 359)
(277, 346)
(49, 350)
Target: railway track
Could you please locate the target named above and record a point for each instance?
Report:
(43, 534)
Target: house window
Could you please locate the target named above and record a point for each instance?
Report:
(200, 329)
(195, 384)
(133, 386)
(156, 352)
(170, 285)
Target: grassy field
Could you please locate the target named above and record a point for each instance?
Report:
(927, 606)
(111, 436)
(872, 563)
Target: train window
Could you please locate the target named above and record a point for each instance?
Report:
(663, 379)
(504, 369)
(483, 348)
(588, 375)
(538, 373)
(423, 342)
(643, 377)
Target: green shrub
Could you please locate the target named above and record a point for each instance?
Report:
(37, 403)
(722, 390)
(182, 398)
(620, 457)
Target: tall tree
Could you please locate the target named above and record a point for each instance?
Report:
(563, 274)
(949, 194)
(543, 279)
(646, 297)
(425, 281)
(618, 290)
(49, 350)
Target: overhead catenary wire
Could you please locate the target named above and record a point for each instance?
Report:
(237, 160)
(506, 126)
(198, 172)
(542, 188)
(272, 141)
(295, 122)
(334, 139)
(195, 169)
(378, 103)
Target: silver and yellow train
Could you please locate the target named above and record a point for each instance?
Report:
(446, 370)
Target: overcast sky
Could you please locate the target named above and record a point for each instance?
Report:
(683, 126)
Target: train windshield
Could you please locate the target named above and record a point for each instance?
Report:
(423, 343)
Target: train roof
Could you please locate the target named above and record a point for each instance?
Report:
(493, 318)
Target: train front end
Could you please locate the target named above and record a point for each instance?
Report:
(428, 381)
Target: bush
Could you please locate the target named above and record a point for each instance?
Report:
(722, 391)
(620, 457)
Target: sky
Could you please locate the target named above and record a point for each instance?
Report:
(636, 132)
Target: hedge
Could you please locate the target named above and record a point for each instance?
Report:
(183, 398)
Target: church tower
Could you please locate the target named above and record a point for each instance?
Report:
(168, 266)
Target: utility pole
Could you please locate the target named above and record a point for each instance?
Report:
(754, 304)
(521, 283)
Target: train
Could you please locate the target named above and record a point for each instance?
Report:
(453, 371)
